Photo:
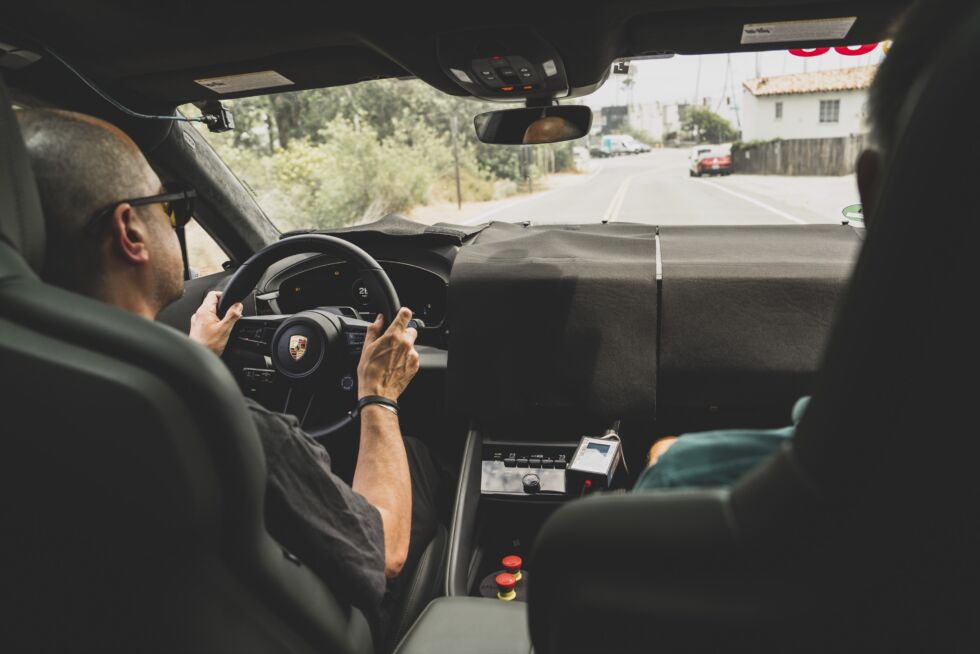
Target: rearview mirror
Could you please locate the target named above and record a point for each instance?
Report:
(533, 125)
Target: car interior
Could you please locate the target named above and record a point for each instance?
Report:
(133, 480)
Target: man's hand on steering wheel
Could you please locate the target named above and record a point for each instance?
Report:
(208, 329)
(389, 361)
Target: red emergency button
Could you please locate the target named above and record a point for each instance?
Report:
(512, 564)
(505, 586)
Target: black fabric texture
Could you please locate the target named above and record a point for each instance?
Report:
(318, 517)
(551, 317)
(405, 230)
(745, 311)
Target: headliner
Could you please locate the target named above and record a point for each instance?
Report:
(148, 54)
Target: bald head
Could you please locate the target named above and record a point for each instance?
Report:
(86, 168)
(82, 165)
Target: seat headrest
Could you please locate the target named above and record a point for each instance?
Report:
(21, 217)
(900, 366)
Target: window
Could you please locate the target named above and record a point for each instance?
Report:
(779, 111)
(829, 111)
(204, 255)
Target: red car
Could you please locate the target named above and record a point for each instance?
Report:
(710, 161)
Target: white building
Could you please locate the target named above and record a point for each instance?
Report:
(655, 118)
(824, 104)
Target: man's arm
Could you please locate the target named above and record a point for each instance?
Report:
(388, 363)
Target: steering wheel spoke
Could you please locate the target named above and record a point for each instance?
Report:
(254, 333)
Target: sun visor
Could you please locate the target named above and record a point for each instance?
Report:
(554, 318)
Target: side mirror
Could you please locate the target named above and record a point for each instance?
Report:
(533, 125)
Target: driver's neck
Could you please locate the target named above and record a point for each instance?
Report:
(129, 298)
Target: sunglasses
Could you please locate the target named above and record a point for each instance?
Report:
(177, 203)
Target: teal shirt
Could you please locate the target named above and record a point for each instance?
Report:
(716, 458)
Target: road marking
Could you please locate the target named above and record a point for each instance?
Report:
(781, 214)
(612, 211)
(479, 218)
(616, 204)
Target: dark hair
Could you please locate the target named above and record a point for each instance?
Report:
(917, 35)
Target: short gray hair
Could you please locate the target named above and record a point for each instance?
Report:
(82, 165)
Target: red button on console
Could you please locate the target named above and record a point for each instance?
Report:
(512, 564)
(505, 586)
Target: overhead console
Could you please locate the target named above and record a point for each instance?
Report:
(504, 66)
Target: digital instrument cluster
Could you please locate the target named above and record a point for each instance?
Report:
(338, 284)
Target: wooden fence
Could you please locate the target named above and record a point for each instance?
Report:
(798, 157)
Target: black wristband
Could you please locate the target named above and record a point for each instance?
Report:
(376, 399)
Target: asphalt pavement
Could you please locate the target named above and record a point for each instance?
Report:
(655, 188)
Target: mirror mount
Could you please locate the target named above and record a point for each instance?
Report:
(538, 103)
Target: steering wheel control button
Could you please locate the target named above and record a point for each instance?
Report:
(259, 375)
(505, 586)
(532, 484)
(356, 339)
(347, 383)
(512, 565)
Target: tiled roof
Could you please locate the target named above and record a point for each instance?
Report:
(845, 79)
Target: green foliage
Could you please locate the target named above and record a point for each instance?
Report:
(707, 126)
(750, 145)
(335, 156)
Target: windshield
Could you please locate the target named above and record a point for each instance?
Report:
(738, 139)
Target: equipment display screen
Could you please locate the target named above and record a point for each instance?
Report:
(602, 447)
(593, 457)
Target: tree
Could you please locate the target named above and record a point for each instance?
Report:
(708, 126)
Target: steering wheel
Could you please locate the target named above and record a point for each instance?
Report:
(313, 353)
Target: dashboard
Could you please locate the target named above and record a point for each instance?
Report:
(338, 284)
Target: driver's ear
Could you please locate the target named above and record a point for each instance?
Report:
(129, 234)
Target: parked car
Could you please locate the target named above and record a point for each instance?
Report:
(710, 160)
(613, 145)
(635, 146)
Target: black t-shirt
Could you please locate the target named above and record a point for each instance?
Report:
(317, 516)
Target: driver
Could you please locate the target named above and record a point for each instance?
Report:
(357, 536)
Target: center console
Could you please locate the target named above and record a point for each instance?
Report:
(508, 487)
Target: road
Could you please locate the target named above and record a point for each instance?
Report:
(655, 188)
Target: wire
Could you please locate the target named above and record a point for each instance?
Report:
(613, 434)
(115, 103)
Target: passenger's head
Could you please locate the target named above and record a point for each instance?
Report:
(917, 36)
(130, 257)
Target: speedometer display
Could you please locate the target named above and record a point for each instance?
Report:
(338, 284)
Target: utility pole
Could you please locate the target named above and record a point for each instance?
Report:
(454, 128)
(697, 82)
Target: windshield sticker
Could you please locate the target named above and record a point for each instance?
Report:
(265, 79)
(846, 50)
(797, 30)
(854, 212)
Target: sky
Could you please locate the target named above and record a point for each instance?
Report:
(676, 79)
